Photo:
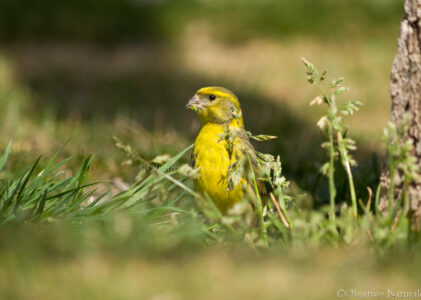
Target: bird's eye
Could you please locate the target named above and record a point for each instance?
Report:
(212, 97)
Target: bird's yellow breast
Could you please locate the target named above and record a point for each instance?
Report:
(213, 159)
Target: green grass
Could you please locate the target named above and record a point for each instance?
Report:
(53, 216)
(58, 243)
(119, 219)
(162, 195)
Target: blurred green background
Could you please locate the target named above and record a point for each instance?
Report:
(126, 68)
(92, 62)
(123, 67)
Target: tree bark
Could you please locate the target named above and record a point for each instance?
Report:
(405, 91)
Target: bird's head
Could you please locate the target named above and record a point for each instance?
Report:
(216, 105)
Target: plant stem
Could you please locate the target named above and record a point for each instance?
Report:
(392, 182)
(347, 166)
(332, 188)
(259, 209)
(280, 192)
(280, 213)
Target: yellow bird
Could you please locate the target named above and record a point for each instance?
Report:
(222, 142)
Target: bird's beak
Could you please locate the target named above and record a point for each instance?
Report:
(194, 104)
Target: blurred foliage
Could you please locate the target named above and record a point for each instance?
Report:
(122, 20)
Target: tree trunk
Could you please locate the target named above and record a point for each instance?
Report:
(406, 100)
